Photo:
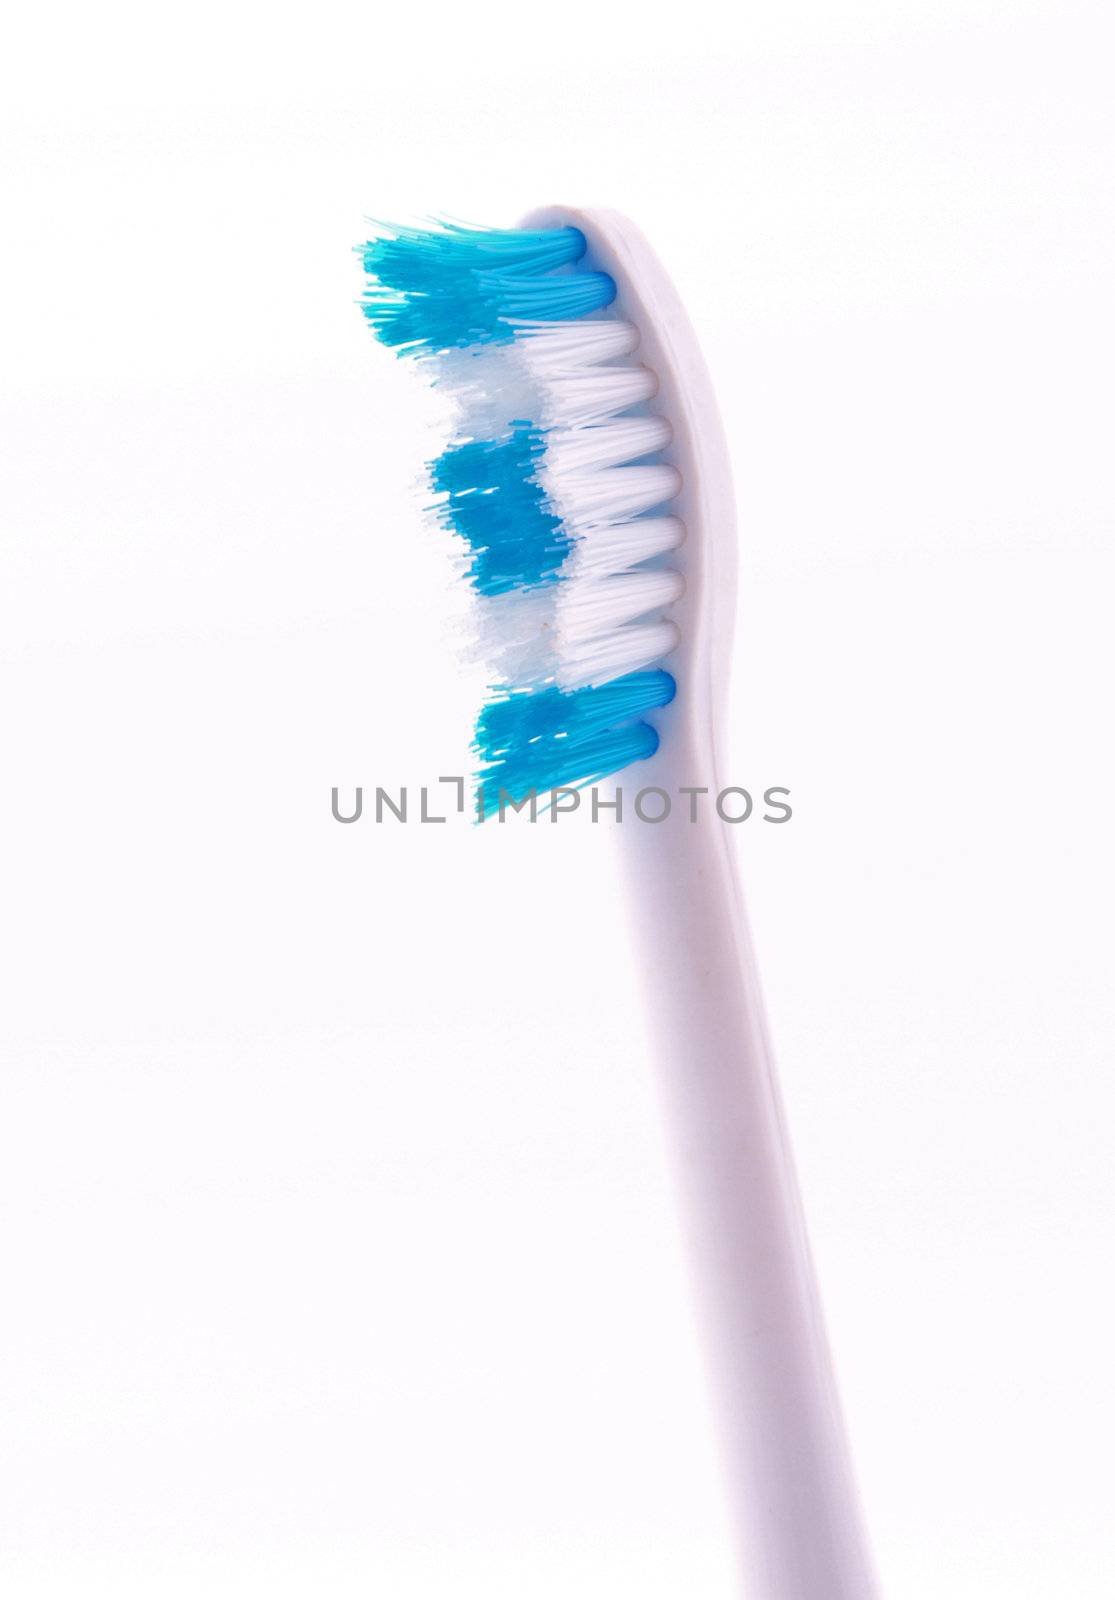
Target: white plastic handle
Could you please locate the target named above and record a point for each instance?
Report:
(800, 1520)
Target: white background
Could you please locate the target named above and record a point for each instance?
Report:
(339, 1248)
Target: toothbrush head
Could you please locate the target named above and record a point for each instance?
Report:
(570, 486)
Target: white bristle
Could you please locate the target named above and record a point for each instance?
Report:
(515, 635)
(587, 500)
(574, 382)
(589, 609)
(550, 347)
(623, 545)
(492, 386)
(578, 631)
(575, 398)
(575, 450)
(488, 387)
(628, 649)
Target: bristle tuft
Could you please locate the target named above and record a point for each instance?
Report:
(443, 288)
(529, 743)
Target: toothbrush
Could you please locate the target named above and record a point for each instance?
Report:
(589, 490)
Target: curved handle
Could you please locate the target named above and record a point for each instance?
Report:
(802, 1531)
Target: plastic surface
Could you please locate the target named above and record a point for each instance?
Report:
(801, 1529)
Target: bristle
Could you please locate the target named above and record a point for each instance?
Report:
(555, 738)
(555, 485)
(437, 289)
(493, 500)
(587, 501)
(623, 545)
(594, 607)
(571, 451)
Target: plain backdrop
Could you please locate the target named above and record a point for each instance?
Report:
(339, 1250)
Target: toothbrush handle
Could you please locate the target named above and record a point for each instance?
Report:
(800, 1520)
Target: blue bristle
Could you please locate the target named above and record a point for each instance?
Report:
(531, 742)
(494, 501)
(442, 289)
